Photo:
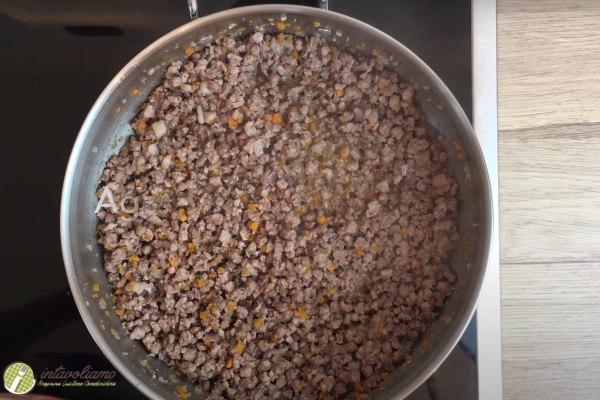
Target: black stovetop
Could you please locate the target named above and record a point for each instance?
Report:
(55, 59)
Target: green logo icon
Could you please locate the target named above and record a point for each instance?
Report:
(19, 378)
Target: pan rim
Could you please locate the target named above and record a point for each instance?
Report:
(237, 13)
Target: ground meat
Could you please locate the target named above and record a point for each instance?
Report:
(294, 225)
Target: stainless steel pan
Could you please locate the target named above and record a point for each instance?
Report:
(107, 126)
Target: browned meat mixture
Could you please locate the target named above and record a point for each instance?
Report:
(295, 222)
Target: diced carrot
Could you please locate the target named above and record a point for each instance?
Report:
(302, 313)
(182, 392)
(173, 260)
(231, 306)
(199, 282)
(182, 215)
(239, 348)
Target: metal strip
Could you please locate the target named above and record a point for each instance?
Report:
(485, 119)
(193, 7)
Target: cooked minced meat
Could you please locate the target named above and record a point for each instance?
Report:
(295, 220)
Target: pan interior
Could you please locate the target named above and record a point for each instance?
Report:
(107, 127)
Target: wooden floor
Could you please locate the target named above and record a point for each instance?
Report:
(549, 122)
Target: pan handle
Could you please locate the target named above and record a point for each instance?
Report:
(193, 7)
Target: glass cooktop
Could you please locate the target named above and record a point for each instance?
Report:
(56, 59)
